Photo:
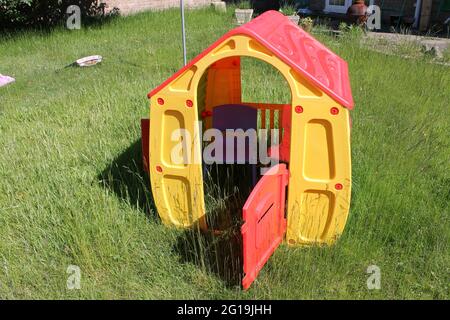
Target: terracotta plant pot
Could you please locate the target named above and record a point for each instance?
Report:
(357, 12)
(359, 8)
(243, 15)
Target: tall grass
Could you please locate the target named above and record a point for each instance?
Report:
(72, 190)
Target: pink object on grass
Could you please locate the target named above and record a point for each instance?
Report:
(4, 80)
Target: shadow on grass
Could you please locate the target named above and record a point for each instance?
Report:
(219, 251)
(218, 254)
(128, 180)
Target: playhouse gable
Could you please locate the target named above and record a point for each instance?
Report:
(295, 47)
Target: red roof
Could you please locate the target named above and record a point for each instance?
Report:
(295, 47)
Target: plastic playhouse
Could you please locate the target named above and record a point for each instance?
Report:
(304, 199)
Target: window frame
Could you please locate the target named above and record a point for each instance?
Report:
(337, 9)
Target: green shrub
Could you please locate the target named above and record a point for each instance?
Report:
(16, 14)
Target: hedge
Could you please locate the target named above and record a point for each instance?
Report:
(16, 14)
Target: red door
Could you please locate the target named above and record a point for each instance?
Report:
(264, 222)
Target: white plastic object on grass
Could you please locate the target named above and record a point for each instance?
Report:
(88, 61)
(4, 80)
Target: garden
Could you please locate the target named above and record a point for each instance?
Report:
(73, 191)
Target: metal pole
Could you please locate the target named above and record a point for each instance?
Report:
(417, 14)
(183, 31)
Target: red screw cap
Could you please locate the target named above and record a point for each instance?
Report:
(338, 186)
(159, 169)
(299, 109)
(206, 114)
(334, 111)
(160, 101)
(189, 103)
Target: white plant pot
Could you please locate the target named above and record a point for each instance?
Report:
(243, 15)
(294, 18)
(219, 6)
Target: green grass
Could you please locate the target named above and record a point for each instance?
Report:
(72, 191)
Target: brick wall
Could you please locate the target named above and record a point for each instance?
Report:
(131, 6)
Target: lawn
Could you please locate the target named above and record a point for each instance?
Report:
(72, 191)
